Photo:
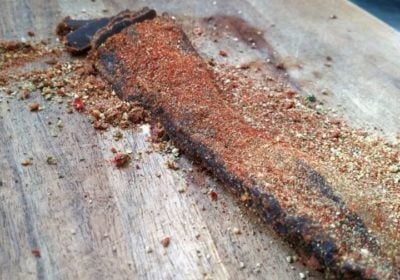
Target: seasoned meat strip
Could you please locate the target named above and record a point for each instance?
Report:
(154, 63)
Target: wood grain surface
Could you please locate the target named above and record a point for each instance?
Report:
(91, 220)
(99, 222)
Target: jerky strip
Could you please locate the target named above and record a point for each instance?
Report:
(121, 22)
(154, 63)
(79, 40)
(81, 35)
(68, 25)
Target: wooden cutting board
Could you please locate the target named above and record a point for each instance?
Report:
(98, 222)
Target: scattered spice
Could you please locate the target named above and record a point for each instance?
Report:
(100, 125)
(157, 132)
(51, 160)
(26, 162)
(148, 250)
(165, 241)
(290, 93)
(34, 107)
(236, 230)
(25, 94)
(311, 98)
(36, 253)
(223, 53)
(245, 197)
(78, 104)
(120, 159)
(213, 195)
(117, 135)
(14, 54)
(60, 124)
(172, 165)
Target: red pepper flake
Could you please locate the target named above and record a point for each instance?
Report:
(213, 195)
(36, 253)
(120, 159)
(78, 104)
(113, 150)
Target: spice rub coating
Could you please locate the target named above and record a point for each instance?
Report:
(158, 66)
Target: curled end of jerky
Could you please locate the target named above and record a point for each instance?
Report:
(119, 23)
(80, 36)
(68, 25)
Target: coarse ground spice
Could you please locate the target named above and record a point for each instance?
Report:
(341, 181)
(14, 53)
(63, 81)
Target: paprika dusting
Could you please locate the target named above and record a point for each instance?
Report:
(289, 187)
